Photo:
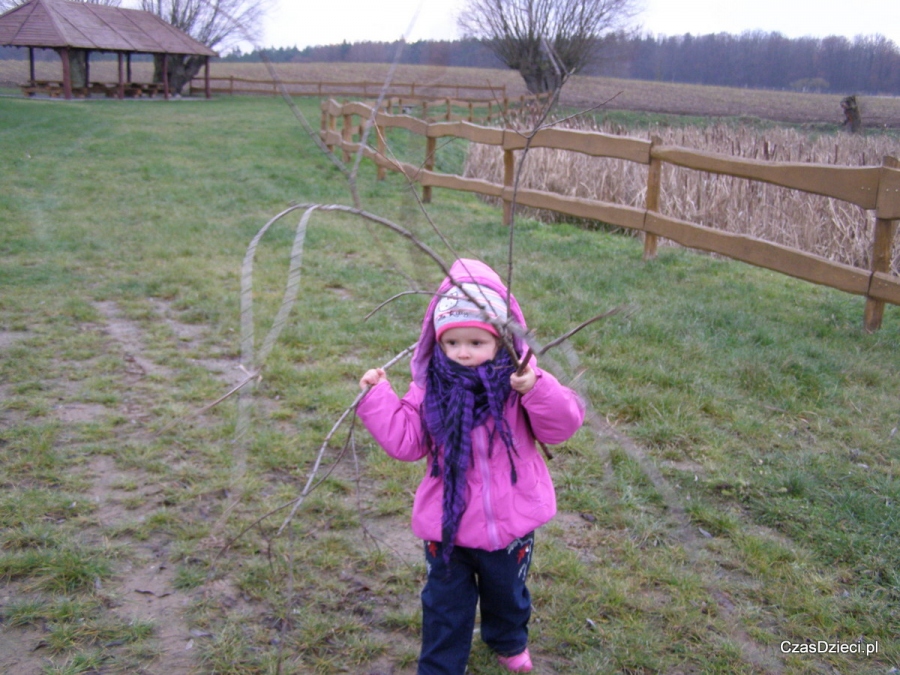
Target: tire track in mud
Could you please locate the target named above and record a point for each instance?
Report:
(686, 534)
(145, 587)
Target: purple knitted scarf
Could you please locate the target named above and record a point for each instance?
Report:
(457, 400)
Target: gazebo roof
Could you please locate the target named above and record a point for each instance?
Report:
(57, 23)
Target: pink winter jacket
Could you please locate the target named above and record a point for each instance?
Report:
(497, 512)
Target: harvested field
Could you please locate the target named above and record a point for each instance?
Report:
(656, 97)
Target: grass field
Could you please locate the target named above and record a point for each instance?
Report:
(733, 493)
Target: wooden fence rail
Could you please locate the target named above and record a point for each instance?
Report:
(241, 85)
(439, 100)
(874, 188)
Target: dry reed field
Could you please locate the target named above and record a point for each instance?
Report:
(827, 227)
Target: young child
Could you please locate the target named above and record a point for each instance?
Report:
(486, 487)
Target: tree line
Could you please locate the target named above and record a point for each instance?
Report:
(865, 64)
(461, 53)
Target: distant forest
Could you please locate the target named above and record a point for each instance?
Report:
(865, 64)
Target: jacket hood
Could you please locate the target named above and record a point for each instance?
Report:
(463, 271)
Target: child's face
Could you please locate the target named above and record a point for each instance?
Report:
(469, 346)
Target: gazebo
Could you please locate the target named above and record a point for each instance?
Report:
(75, 29)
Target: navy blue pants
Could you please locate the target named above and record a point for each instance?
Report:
(497, 579)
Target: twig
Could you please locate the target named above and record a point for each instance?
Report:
(391, 299)
(367, 127)
(562, 76)
(295, 503)
(250, 377)
(524, 363)
(562, 338)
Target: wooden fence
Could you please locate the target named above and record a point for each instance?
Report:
(445, 101)
(873, 188)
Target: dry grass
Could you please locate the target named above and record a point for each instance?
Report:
(827, 227)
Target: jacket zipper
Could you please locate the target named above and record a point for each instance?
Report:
(487, 504)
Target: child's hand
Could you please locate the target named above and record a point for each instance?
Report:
(525, 382)
(371, 378)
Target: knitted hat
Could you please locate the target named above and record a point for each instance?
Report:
(456, 310)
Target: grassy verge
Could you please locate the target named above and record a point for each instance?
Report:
(736, 489)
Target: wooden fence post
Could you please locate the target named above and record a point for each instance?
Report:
(379, 133)
(430, 149)
(651, 202)
(449, 109)
(347, 134)
(509, 173)
(881, 259)
(332, 127)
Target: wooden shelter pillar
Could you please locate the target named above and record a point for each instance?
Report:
(128, 67)
(87, 73)
(165, 74)
(66, 73)
(120, 90)
(206, 88)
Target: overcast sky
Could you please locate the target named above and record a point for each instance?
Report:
(314, 22)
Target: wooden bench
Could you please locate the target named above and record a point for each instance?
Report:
(48, 87)
(54, 89)
(153, 88)
(108, 90)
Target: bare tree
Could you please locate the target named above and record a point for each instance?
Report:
(216, 23)
(545, 40)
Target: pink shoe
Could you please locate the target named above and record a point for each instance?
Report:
(520, 663)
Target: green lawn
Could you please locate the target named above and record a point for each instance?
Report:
(736, 488)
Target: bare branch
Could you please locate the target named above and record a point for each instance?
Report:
(250, 378)
(562, 338)
(309, 483)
